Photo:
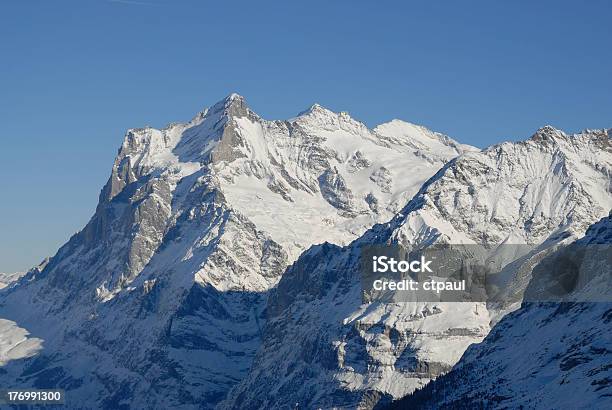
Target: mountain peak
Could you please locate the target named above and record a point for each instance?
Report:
(230, 105)
(316, 109)
(234, 96)
(547, 133)
(234, 105)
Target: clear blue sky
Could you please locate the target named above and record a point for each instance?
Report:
(74, 75)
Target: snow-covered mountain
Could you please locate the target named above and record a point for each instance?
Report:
(159, 301)
(323, 347)
(546, 354)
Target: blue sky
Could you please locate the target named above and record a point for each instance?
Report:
(74, 75)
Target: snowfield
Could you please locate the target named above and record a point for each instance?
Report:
(7, 278)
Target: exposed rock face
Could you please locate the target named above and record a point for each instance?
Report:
(323, 348)
(335, 191)
(382, 178)
(553, 354)
(358, 162)
(160, 300)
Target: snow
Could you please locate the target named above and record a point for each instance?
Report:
(309, 219)
(543, 354)
(15, 343)
(269, 152)
(7, 278)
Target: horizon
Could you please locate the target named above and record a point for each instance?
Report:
(79, 74)
(369, 126)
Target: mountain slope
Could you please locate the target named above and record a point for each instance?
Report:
(546, 354)
(159, 301)
(322, 347)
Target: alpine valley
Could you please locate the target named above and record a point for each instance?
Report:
(221, 270)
